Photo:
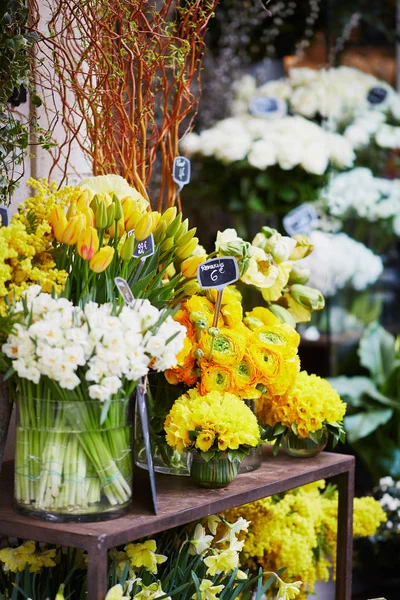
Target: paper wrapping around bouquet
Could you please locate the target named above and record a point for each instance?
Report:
(5, 415)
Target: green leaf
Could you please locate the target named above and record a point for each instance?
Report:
(356, 389)
(207, 456)
(376, 352)
(364, 423)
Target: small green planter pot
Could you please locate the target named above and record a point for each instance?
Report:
(303, 447)
(216, 473)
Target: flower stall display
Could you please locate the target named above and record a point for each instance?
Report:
(362, 108)
(262, 166)
(75, 370)
(372, 423)
(199, 561)
(298, 530)
(218, 428)
(302, 418)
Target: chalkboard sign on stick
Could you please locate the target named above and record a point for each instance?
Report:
(216, 273)
(267, 107)
(300, 220)
(181, 171)
(144, 419)
(377, 95)
(4, 216)
(124, 290)
(145, 248)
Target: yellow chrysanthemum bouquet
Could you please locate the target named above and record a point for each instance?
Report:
(219, 429)
(302, 418)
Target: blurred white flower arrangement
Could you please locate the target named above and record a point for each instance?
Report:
(358, 193)
(339, 261)
(284, 141)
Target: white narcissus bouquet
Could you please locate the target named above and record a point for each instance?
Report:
(75, 370)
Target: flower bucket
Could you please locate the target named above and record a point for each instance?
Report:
(73, 459)
(218, 472)
(303, 447)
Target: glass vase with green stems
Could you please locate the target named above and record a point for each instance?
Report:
(73, 454)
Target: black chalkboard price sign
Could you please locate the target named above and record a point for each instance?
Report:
(376, 95)
(144, 248)
(216, 273)
(266, 107)
(181, 171)
(4, 216)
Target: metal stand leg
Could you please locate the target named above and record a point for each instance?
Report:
(97, 574)
(344, 560)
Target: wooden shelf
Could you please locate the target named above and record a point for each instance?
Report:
(181, 502)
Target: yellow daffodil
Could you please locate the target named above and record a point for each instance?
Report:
(16, 559)
(150, 592)
(144, 555)
(222, 561)
(116, 593)
(208, 590)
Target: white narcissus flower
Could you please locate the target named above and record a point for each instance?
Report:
(200, 541)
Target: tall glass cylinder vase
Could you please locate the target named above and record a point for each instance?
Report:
(73, 459)
(160, 398)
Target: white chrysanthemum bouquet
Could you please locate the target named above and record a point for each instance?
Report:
(75, 370)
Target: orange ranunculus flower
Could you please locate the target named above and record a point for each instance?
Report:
(226, 348)
(88, 243)
(74, 229)
(102, 259)
(214, 378)
(58, 222)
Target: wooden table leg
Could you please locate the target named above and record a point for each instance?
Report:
(97, 574)
(344, 561)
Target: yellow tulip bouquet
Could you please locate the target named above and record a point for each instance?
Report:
(74, 242)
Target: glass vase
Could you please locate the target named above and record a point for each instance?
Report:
(73, 459)
(303, 447)
(166, 460)
(160, 398)
(253, 460)
(215, 473)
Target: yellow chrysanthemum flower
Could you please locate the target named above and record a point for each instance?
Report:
(223, 416)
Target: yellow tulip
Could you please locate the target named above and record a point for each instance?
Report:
(83, 200)
(89, 214)
(71, 212)
(58, 222)
(102, 259)
(128, 248)
(129, 206)
(169, 215)
(143, 227)
(74, 229)
(88, 243)
(121, 229)
(105, 197)
(156, 216)
(133, 220)
(190, 265)
(187, 250)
